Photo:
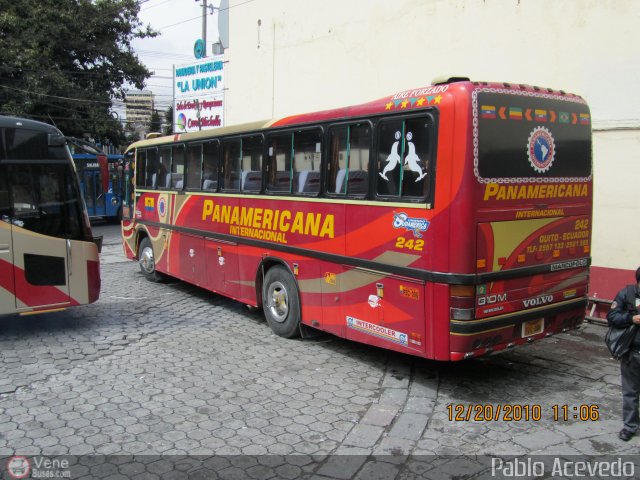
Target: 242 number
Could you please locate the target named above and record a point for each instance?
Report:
(410, 244)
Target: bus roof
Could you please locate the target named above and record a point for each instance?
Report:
(10, 122)
(379, 106)
(230, 130)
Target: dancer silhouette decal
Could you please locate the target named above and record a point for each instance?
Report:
(393, 159)
(412, 159)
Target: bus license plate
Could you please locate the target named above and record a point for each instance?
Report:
(532, 327)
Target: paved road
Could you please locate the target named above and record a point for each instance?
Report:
(169, 369)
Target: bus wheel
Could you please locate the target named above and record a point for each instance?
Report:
(147, 261)
(281, 303)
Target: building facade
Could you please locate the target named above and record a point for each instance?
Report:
(291, 56)
(139, 106)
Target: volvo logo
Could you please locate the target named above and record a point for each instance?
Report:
(534, 302)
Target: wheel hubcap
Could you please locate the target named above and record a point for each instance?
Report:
(146, 260)
(278, 301)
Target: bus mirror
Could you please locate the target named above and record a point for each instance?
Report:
(56, 140)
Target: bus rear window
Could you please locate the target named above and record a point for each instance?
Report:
(531, 137)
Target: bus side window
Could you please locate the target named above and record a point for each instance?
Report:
(163, 179)
(152, 168)
(416, 164)
(403, 158)
(349, 160)
(210, 166)
(230, 175)
(280, 149)
(194, 166)
(141, 168)
(177, 167)
(390, 157)
(251, 179)
(338, 156)
(358, 174)
(306, 158)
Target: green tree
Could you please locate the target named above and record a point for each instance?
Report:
(68, 61)
(155, 124)
(168, 121)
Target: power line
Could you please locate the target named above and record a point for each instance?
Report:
(200, 16)
(55, 96)
(153, 6)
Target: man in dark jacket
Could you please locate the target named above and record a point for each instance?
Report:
(624, 312)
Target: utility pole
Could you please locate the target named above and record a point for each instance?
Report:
(204, 27)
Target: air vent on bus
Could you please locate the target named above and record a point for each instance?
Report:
(444, 80)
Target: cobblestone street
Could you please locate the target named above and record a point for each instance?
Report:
(170, 369)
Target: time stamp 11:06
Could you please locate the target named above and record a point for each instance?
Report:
(477, 412)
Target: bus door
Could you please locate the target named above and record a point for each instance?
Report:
(92, 192)
(41, 258)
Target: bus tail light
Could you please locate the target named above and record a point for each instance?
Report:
(462, 302)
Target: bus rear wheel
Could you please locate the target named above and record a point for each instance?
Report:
(281, 302)
(147, 262)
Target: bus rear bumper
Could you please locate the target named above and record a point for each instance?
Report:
(475, 338)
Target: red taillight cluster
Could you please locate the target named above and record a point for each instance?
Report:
(462, 302)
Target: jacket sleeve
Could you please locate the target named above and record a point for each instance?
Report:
(619, 315)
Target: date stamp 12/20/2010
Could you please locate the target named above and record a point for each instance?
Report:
(478, 412)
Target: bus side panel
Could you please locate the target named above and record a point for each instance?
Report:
(309, 280)
(84, 277)
(7, 285)
(41, 270)
(439, 337)
(129, 246)
(385, 311)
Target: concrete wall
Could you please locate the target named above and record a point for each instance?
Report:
(294, 56)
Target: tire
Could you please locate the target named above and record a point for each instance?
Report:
(146, 260)
(281, 302)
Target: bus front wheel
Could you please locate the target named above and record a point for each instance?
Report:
(281, 302)
(147, 262)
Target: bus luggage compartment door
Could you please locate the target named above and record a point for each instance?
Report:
(222, 267)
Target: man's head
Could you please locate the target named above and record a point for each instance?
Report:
(638, 275)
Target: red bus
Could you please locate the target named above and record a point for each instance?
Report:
(447, 222)
(48, 256)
